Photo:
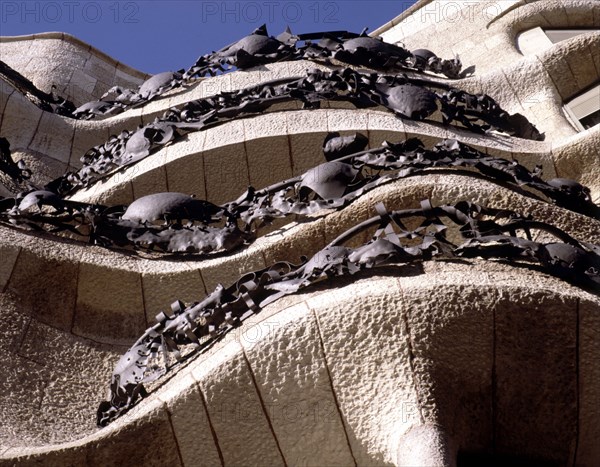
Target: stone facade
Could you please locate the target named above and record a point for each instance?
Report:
(447, 363)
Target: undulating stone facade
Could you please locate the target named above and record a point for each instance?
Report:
(446, 362)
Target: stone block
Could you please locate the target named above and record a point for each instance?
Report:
(8, 258)
(496, 85)
(368, 355)
(225, 162)
(51, 274)
(273, 71)
(6, 90)
(287, 359)
(185, 165)
(243, 79)
(65, 353)
(429, 134)
(54, 137)
(384, 126)
(159, 445)
(535, 374)
(164, 284)
(269, 160)
(561, 74)
(110, 304)
(112, 191)
(236, 410)
(20, 121)
(451, 331)
(307, 131)
(228, 269)
(578, 55)
(195, 435)
(22, 388)
(16, 53)
(87, 134)
(216, 85)
(589, 383)
(579, 159)
(100, 69)
(268, 150)
(15, 324)
(126, 79)
(351, 121)
(85, 82)
(150, 180)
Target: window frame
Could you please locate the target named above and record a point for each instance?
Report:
(592, 93)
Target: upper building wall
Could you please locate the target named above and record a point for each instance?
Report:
(485, 35)
(80, 72)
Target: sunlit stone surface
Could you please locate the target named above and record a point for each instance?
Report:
(442, 363)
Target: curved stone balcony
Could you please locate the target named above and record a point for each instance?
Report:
(430, 363)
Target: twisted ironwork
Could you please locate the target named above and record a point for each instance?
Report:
(258, 48)
(406, 97)
(179, 223)
(487, 233)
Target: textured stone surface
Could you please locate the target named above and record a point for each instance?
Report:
(162, 287)
(53, 277)
(588, 451)
(58, 58)
(8, 258)
(302, 409)
(237, 411)
(406, 365)
(451, 335)
(110, 304)
(535, 367)
(196, 440)
(367, 350)
(20, 120)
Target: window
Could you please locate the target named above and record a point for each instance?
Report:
(584, 110)
(537, 39)
(558, 35)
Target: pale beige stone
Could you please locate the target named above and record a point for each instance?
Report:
(589, 383)
(196, 440)
(87, 134)
(537, 338)
(269, 159)
(110, 304)
(452, 348)
(222, 270)
(236, 410)
(373, 382)
(20, 121)
(307, 130)
(303, 410)
(453, 357)
(161, 288)
(51, 272)
(148, 182)
(54, 137)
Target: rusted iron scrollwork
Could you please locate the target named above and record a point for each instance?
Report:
(259, 48)
(179, 223)
(487, 233)
(406, 97)
(255, 49)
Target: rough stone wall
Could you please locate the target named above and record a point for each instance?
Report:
(409, 365)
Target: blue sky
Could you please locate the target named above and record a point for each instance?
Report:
(156, 36)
